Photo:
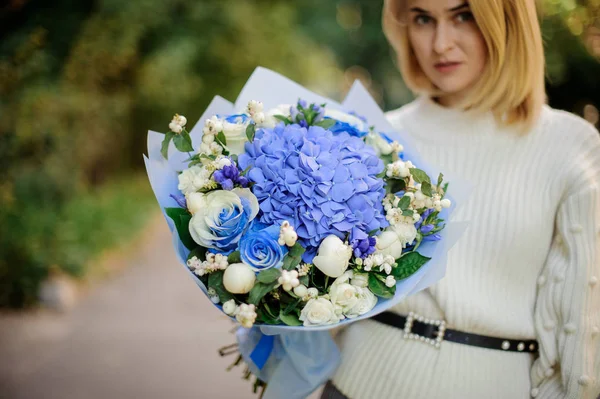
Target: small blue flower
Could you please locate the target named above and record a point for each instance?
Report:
(259, 248)
(365, 247)
(228, 176)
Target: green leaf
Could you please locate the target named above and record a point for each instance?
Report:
(289, 308)
(420, 176)
(234, 257)
(426, 189)
(263, 316)
(284, 119)
(220, 138)
(268, 276)
(182, 218)
(440, 179)
(164, 148)
(290, 319)
(407, 212)
(250, 131)
(215, 281)
(198, 252)
(293, 258)
(304, 280)
(259, 291)
(408, 264)
(395, 185)
(379, 288)
(404, 202)
(373, 232)
(183, 142)
(326, 123)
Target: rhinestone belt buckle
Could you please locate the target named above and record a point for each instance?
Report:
(440, 324)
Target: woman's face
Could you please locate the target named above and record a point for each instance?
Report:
(448, 45)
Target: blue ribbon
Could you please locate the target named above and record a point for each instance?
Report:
(263, 350)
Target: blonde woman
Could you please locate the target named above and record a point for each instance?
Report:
(521, 297)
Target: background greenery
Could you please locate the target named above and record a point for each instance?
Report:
(82, 81)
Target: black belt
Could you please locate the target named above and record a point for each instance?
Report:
(434, 332)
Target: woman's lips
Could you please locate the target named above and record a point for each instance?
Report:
(446, 67)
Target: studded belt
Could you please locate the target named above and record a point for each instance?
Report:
(434, 332)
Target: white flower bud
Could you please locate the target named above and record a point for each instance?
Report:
(301, 291)
(446, 203)
(313, 292)
(333, 256)
(230, 308)
(377, 259)
(259, 117)
(175, 128)
(208, 138)
(239, 278)
(246, 315)
(390, 281)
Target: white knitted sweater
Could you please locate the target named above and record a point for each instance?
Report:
(527, 267)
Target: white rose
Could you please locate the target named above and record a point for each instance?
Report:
(318, 312)
(235, 134)
(347, 118)
(230, 308)
(366, 301)
(333, 256)
(343, 295)
(239, 278)
(270, 120)
(395, 238)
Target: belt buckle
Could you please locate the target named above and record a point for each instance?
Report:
(440, 324)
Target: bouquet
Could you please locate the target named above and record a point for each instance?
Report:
(298, 213)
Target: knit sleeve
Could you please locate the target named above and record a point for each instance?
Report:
(567, 311)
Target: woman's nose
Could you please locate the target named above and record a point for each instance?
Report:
(444, 38)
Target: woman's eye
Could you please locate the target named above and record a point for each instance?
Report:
(465, 16)
(422, 19)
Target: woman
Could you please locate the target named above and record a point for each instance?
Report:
(526, 271)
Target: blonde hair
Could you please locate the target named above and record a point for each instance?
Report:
(512, 84)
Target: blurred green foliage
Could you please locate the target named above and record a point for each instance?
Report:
(82, 81)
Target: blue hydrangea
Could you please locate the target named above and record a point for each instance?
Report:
(322, 183)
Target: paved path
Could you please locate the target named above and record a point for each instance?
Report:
(147, 333)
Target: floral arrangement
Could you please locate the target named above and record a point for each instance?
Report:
(300, 215)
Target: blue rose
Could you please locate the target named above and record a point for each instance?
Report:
(346, 122)
(259, 248)
(221, 217)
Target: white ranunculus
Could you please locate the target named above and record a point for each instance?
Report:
(235, 134)
(333, 256)
(366, 301)
(344, 117)
(270, 120)
(318, 312)
(239, 278)
(395, 238)
(223, 217)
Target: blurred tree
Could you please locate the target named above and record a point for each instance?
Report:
(82, 81)
(571, 31)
